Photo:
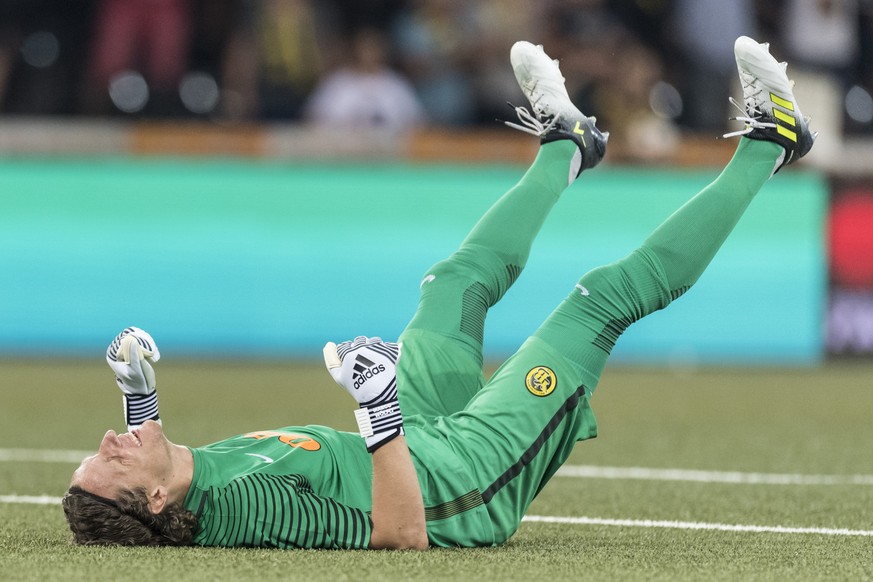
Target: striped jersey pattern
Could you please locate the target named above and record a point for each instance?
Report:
(279, 511)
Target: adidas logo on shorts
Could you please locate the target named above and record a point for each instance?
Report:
(364, 369)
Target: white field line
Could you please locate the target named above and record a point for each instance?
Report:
(573, 471)
(736, 477)
(30, 499)
(44, 455)
(697, 525)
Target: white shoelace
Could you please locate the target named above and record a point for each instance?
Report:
(751, 123)
(530, 123)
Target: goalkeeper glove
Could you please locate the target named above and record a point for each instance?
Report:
(131, 355)
(365, 367)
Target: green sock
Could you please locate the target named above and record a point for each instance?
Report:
(458, 291)
(509, 227)
(688, 240)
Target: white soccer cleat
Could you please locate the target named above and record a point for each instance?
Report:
(771, 112)
(554, 116)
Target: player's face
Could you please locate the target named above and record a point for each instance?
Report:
(126, 461)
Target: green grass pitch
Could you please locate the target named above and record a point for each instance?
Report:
(803, 422)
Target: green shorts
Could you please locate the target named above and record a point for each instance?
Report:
(503, 439)
(509, 435)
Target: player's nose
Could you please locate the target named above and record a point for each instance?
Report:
(110, 440)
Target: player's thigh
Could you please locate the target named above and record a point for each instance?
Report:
(440, 366)
(436, 375)
(520, 428)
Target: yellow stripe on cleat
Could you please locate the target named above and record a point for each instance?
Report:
(578, 129)
(782, 102)
(787, 133)
(782, 116)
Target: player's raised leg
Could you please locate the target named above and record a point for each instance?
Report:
(778, 135)
(457, 292)
(538, 401)
(671, 260)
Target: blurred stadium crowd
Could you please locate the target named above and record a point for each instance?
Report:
(399, 64)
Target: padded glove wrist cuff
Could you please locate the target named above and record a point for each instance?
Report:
(379, 424)
(139, 408)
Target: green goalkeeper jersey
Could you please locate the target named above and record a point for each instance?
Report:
(311, 487)
(294, 487)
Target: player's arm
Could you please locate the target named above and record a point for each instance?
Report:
(398, 510)
(365, 367)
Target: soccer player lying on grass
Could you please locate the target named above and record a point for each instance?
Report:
(462, 462)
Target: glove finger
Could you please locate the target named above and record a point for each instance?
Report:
(390, 350)
(147, 343)
(112, 350)
(129, 367)
(128, 349)
(131, 378)
(332, 361)
(148, 375)
(345, 347)
(331, 358)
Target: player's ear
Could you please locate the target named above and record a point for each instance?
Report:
(157, 499)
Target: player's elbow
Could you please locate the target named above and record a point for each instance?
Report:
(413, 541)
(408, 538)
(418, 541)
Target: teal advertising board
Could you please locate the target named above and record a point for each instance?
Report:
(234, 258)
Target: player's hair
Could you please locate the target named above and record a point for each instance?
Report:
(126, 521)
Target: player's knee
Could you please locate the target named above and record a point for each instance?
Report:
(633, 286)
(476, 269)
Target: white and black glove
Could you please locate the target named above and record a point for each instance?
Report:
(131, 355)
(366, 368)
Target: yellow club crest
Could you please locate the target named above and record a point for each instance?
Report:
(541, 381)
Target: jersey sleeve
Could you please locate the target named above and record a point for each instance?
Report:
(280, 511)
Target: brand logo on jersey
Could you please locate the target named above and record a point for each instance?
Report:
(264, 458)
(585, 292)
(292, 439)
(541, 381)
(427, 279)
(364, 369)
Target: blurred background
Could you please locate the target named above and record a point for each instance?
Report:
(256, 177)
